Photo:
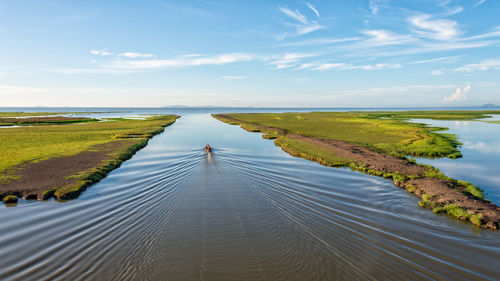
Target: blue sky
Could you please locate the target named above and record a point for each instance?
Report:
(250, 53)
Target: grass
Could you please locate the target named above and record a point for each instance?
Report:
(28, 114)
(28, 144)
(43, 121)
(10, 199)
(386, 132)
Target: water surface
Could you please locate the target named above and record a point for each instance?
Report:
(480, 163)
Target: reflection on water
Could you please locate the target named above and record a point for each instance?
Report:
(250, 212)
(481, 154)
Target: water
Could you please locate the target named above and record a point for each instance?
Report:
(480, 164)
(248, 212)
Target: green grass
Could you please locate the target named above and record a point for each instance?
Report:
(10, 199)
(389, 133)
(28, 114)
(305, 150)
(26, 122)
(28, 144)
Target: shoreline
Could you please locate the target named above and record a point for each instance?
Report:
(442, 194)
(66, 177)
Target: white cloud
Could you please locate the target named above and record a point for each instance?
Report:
(493, 64)
(479, 3)
(289, 60)
(93, 71)
(182, 61)
(313, 9)
(232, 77)
(434, 60)
(421, 89)
(434, 29)
(135, 55)
(460, 94)
(302, 25)
(103, 52)
(348, 66)
(374, 8)
(319, 41)
(379, 37)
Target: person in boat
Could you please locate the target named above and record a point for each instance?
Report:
(208, 148)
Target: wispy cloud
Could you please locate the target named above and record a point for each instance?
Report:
(182, 61)
(374, 6)
(347, 66)
(104, 70)
(460, 94)
(434, 60)
(423, 88)
(302, 24)
(288, 60)
(319, 41)
(380, 37)
(135, 55)
(428, 27)
(449, 10)
(478, 3)
(103, 52)
(310, 6)
(491, 64)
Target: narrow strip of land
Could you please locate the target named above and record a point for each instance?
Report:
(61, 161)
(377, 143)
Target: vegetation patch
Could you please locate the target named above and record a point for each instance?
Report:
(61, 161)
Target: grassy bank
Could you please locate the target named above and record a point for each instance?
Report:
(117, 140)
(37, 121)
(377, 143)
(17, 114)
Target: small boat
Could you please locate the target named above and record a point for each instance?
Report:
(208, 149)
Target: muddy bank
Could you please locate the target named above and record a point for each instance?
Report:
(438, 192)
(66, 177)
(49, 175)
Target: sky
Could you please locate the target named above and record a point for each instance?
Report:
(359, 53)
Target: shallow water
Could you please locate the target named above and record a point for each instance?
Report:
(247, 212)
(480, 164)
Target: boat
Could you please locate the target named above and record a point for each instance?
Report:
(208, 148)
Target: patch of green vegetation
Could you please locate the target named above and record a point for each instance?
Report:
(453, 210)
(31, 144)
(435, 115)
(389, 133)
(300, 148)
(42, 121)
(10, 199)
(28, 114)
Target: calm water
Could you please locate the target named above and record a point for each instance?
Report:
(249, 212)
(481, 154)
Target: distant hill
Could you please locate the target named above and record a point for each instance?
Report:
(489, 105)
